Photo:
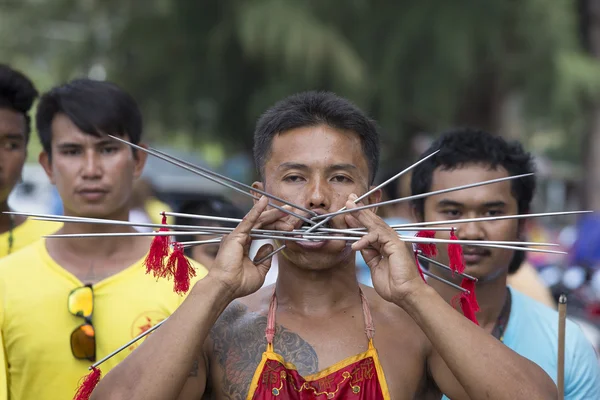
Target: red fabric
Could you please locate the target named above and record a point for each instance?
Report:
(428, 249)
(468, 301)
(419, 267)
(455, 255)
(88, 385)
(358, 380)
(159, 249)
(181, 269)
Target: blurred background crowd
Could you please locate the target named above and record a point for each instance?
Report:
(202, 72)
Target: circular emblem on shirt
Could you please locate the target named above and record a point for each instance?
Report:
(142, 323)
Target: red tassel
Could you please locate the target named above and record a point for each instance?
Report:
(159, 250)
(182, 270)
(88, 385)
(419, 267)
(428, 249)
(467, 309)
(455, 255)
(468, 301)
(469, 285)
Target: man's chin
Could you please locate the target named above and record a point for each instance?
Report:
(316, 256)
(483, 272)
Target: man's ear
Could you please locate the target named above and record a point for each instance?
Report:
(44, 160)
(259, 186)
(139, 157)
(373, 198)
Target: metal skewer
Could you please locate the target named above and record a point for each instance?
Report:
(399, 174)
(439, 264)
(227, 179)
(216, 180)
(419, 196)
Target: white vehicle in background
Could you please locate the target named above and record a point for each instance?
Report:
(35, 194)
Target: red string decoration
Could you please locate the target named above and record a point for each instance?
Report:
(455, 255)
(88, 385)
(468, 301)
(180, 267)
(428, 249)
(159, 250)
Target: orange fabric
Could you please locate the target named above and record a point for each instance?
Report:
(358, 377)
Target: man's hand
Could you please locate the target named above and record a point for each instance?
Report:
(393, 268)
(278, 220)
(232, 267)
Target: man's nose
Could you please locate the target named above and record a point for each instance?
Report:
(92, 165)
(470, 231)
(318, 196)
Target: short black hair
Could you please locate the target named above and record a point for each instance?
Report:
(463, 146)
(17, 93)
(214, 207)
(311, 109)
(95, 107)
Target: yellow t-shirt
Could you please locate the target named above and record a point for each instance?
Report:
(28, 232)
(36, 325)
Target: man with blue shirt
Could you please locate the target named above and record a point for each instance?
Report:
(526, 326)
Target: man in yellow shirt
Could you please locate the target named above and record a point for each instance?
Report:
(65, 303)
(17, 94)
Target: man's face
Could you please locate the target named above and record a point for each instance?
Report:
(93, 175)
(483, 201)
(317, 168)
(13, 150)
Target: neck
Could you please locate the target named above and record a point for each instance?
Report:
(491, 296)
(5, 220)
(96, 245)
(317, 292)
(8, 221)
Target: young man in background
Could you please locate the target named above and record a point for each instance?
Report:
(65, 303)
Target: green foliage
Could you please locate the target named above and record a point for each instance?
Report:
(209, 68)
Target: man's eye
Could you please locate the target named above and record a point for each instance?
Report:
(109, 150)
(11, 146)
(70, 152)
(451, 213)
(341, 179)
(493, 213)
(292, 178)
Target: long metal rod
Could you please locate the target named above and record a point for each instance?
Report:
(409, 239)
(233, 181)
(100, 221)
(482, 219)
(216, 180)
(126, 345)
(455, 286)
(399, 174)
(439, 264)
(420, 196)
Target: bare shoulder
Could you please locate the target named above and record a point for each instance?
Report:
(396, 334)
(389, 320)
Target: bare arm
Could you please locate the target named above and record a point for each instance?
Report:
(160, 368)
(470, 364)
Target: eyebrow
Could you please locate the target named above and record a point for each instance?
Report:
(294, 165)
(489, 204)
(70, 145)
(13, 136)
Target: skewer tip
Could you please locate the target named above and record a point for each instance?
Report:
(562, 299)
